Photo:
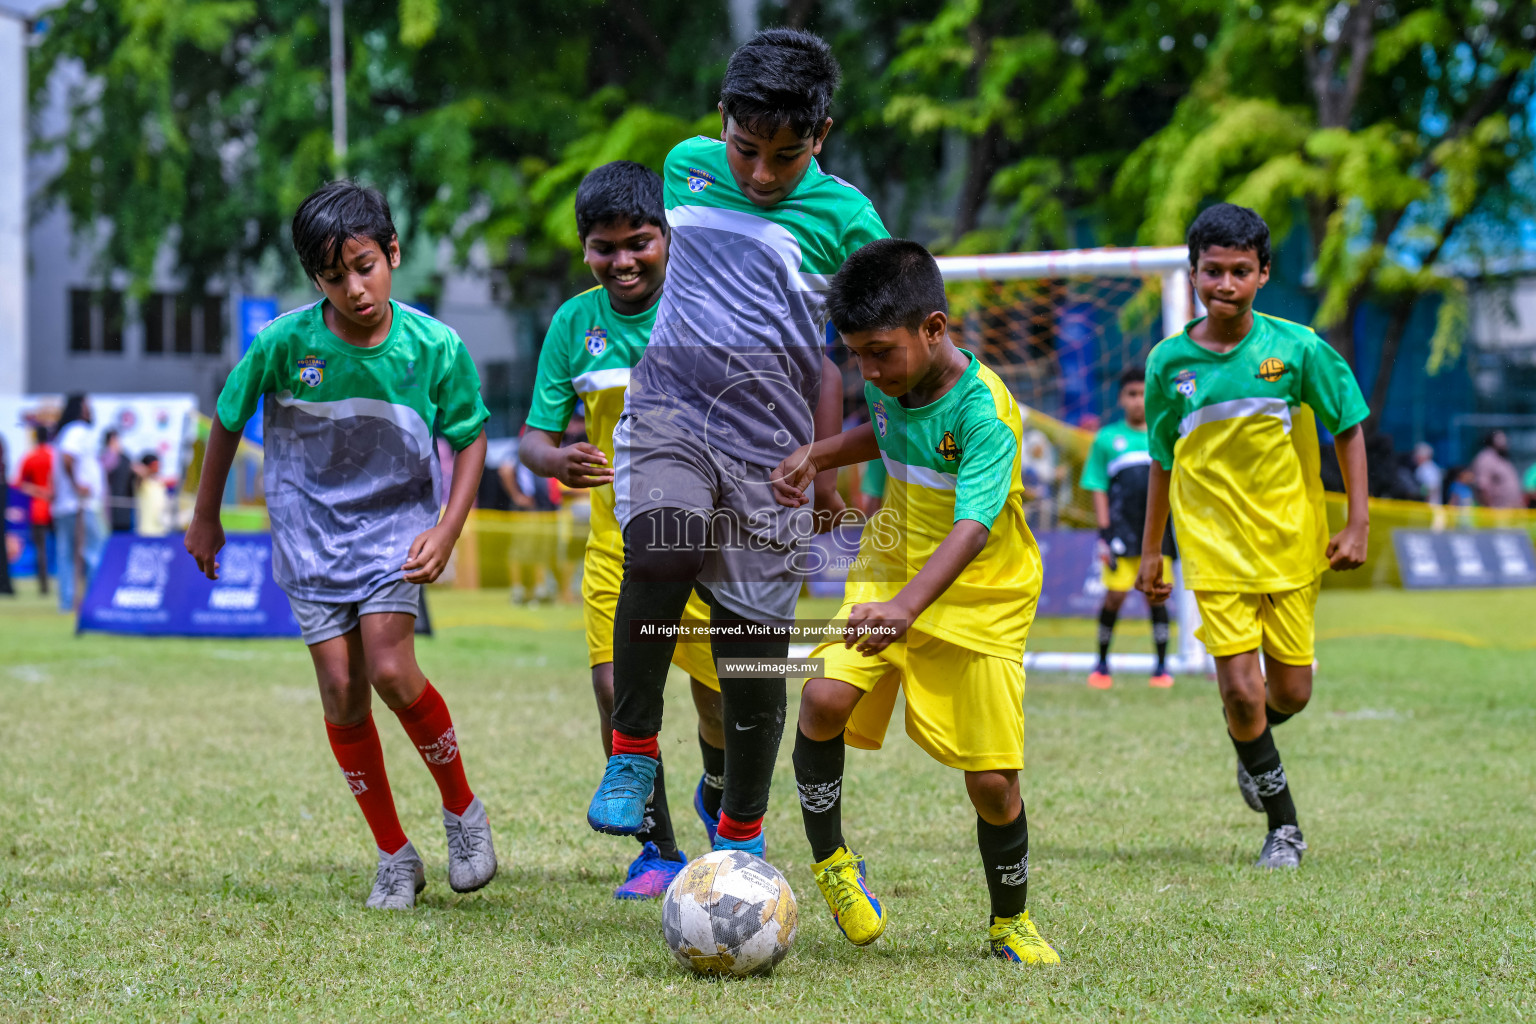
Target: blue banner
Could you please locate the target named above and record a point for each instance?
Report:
(151, 586)
(1430, 559)
(255, 314)
(1073, 585)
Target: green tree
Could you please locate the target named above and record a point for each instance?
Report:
(1397, 132)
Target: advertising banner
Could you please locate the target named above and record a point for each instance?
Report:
(164, 424)
(1432, 559)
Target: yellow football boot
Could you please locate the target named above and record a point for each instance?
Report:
(1015, 938)
(841, 880)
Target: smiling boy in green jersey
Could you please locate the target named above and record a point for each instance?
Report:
(1230, 410)
(593, 342)
(941, 597)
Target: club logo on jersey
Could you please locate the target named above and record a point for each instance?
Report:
(311, 371)
(1120, 444)
(1272, 370)
(881, 420)
(948, 448)
(699, 180)
(597, 340)
(1184, 383)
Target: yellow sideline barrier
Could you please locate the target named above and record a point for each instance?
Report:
(1380, 569)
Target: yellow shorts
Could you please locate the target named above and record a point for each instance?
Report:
(965, 709)
(601, 574)
(1280, 623)
(1123, 576)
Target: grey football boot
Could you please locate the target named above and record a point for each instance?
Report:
(1249, 789)
(400, 878)
(471, 857)
(1283, 848)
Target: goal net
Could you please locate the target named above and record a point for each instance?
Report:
(1058, 328)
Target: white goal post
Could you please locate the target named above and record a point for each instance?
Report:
(1171, 265)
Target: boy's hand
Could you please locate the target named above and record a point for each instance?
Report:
(204, 541)
(1150, 579)
(1347, 548)
(429, 555)
(582, 465)
(829, 509)
(791, 477)
(875, 626)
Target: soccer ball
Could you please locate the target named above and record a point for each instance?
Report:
(729, 912)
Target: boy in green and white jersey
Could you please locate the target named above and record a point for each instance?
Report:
(355, 387)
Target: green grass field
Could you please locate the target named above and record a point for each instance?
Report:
(176, 843)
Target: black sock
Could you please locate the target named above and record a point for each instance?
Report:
(656, 585)
(753, 712)
(1262, 760)
(714, 776)
(819, 777)
(1005, 859)
(1278, 717)
(1107, 617)
(657, 826)
(1160, 636)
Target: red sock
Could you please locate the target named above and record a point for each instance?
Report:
(361, 758)
(647, 745)
(430, 727)
(730, 828)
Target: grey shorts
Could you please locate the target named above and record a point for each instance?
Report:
(755, 560)
(323, 620)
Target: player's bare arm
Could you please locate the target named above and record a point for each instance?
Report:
(1150, 578)
(792, 476)
(582, 464)
(205, 537)
(431, 548)
(829, 504)
(1347, 549)
(937, 575)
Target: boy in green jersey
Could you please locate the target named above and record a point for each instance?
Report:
(941, 597)
(1231, 401)
(593, 342)
(355, 386)
(1115, 473)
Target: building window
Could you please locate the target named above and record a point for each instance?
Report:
(183, 325)
(95, 320)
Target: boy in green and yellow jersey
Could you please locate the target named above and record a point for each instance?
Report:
(941, 597)
(593, 342)
(1230, 409)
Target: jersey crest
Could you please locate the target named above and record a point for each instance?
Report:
(311, 371)
(597, 340)
(1184, 383)
(948, 448)
(699, 180)
(881, 420)
(1272, 370)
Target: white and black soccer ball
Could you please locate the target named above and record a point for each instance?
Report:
(729, 912)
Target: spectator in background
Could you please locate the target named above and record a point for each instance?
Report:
(1529, 483)
(35, 480)
(1461, 494)
(78, 490)
(5, 505)
(152, 504)
(1494, 476)
(122, 479)
(1429, 476)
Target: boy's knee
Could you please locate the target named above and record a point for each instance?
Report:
(995, 795)
(821, 718)
(1113, 599)
(394, 679)
(602, 689)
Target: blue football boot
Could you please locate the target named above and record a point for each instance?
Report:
(710, 823)
(618, 806)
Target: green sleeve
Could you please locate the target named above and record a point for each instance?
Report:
(1529, 483)
(865, 227)
(461, 413)
(554, 399)
(873, 482)
(251, 378)
(989, 454)
(1095, 468)
(1162, 417)
(1328, 385)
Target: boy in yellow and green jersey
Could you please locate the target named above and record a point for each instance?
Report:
(941, 597)
(593, 342)
(1230, 404)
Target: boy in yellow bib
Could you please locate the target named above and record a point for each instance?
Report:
(1230, 406)
(942, 594)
